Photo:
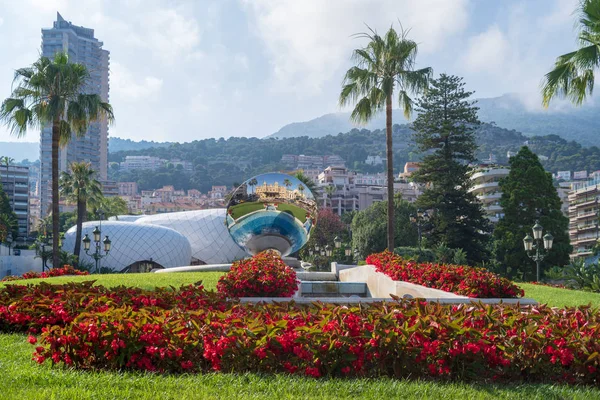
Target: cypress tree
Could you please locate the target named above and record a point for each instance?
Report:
(528, 195)
(445, 132)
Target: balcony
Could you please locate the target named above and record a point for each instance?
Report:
(489, 196)
(483, 186)
(490, 173)
(492, 208)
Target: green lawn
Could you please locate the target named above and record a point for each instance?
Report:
(145, 281)
(245, 208)
(556, 297)
(23, 379)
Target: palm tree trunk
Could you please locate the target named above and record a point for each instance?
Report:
(390, 171)
(55, 198)
(81, 210)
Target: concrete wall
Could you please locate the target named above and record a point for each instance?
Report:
(18, 265)
(381, 286)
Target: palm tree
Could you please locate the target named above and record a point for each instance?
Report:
(573, 73)
(330, 190)
(253, 182)
(386, 64)
(80, 187)
(301, 188)
(49, 92)
(305, 179)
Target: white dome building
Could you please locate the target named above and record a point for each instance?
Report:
(206, 232)
(135, 246)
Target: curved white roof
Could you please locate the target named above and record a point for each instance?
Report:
(134, 242)
(206, 231)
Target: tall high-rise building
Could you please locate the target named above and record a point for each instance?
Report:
(82, 47)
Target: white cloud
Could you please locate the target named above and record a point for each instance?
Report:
(487, 51)
(308, 41)
(1, 21)
(124, 84)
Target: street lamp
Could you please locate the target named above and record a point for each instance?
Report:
(535, 243)
(337, 241)
(348, 252)
(9, 242)
(96, 255)
(419, 221)
(328, 250)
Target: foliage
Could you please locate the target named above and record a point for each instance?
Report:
(263, 275)
(573, 73)
(8, 219)
(329, 225)
(369, 227)
(405, 339)
(582, 276)
(51, 93)
(80, 187)
(528, 194)
(445, 132)
(385, 67)
(414, 254)
(51, 273)
(111, 206)
(459, 279)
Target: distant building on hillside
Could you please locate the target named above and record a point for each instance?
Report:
(128, 188)
(374, 160)
(141, 162)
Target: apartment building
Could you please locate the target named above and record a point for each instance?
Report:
(15, 183)
(583, 218)
(486, 186)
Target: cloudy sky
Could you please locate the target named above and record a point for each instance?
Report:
(184, 70)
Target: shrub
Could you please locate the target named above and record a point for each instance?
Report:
(263, 275)
(404, 339)
(413, 253)
(52, 272)
(459, 279)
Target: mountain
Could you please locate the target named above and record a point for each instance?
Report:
(31, 150)
(508, 111)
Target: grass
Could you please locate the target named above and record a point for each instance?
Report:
(23, 379)
(245, 208)
(556, 297)
(145, 281)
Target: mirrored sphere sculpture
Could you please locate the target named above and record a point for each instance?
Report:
(272, 211)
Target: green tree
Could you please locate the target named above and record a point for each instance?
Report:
(369, 227)
(8, 219)
(445, 132)
(50, 92)
(329, 191)
(111, 207)
(80, 187)
(528, 194)
(385, 65)
(573, 73)
(308, 183)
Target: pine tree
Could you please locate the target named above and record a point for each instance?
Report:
(528, 194)
(445, 132)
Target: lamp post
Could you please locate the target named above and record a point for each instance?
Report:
(348, 253)
(96, 255)
(535, 243)
(337, 242)
(9, 242)
(419, 220)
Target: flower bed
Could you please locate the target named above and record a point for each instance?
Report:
(403, 340)
(52, 272)
(459, 279)
(263, 275)
(191, 330)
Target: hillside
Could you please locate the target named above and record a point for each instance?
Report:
(507, 111)
(225, 162)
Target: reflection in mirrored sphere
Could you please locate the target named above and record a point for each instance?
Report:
(271, 211)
